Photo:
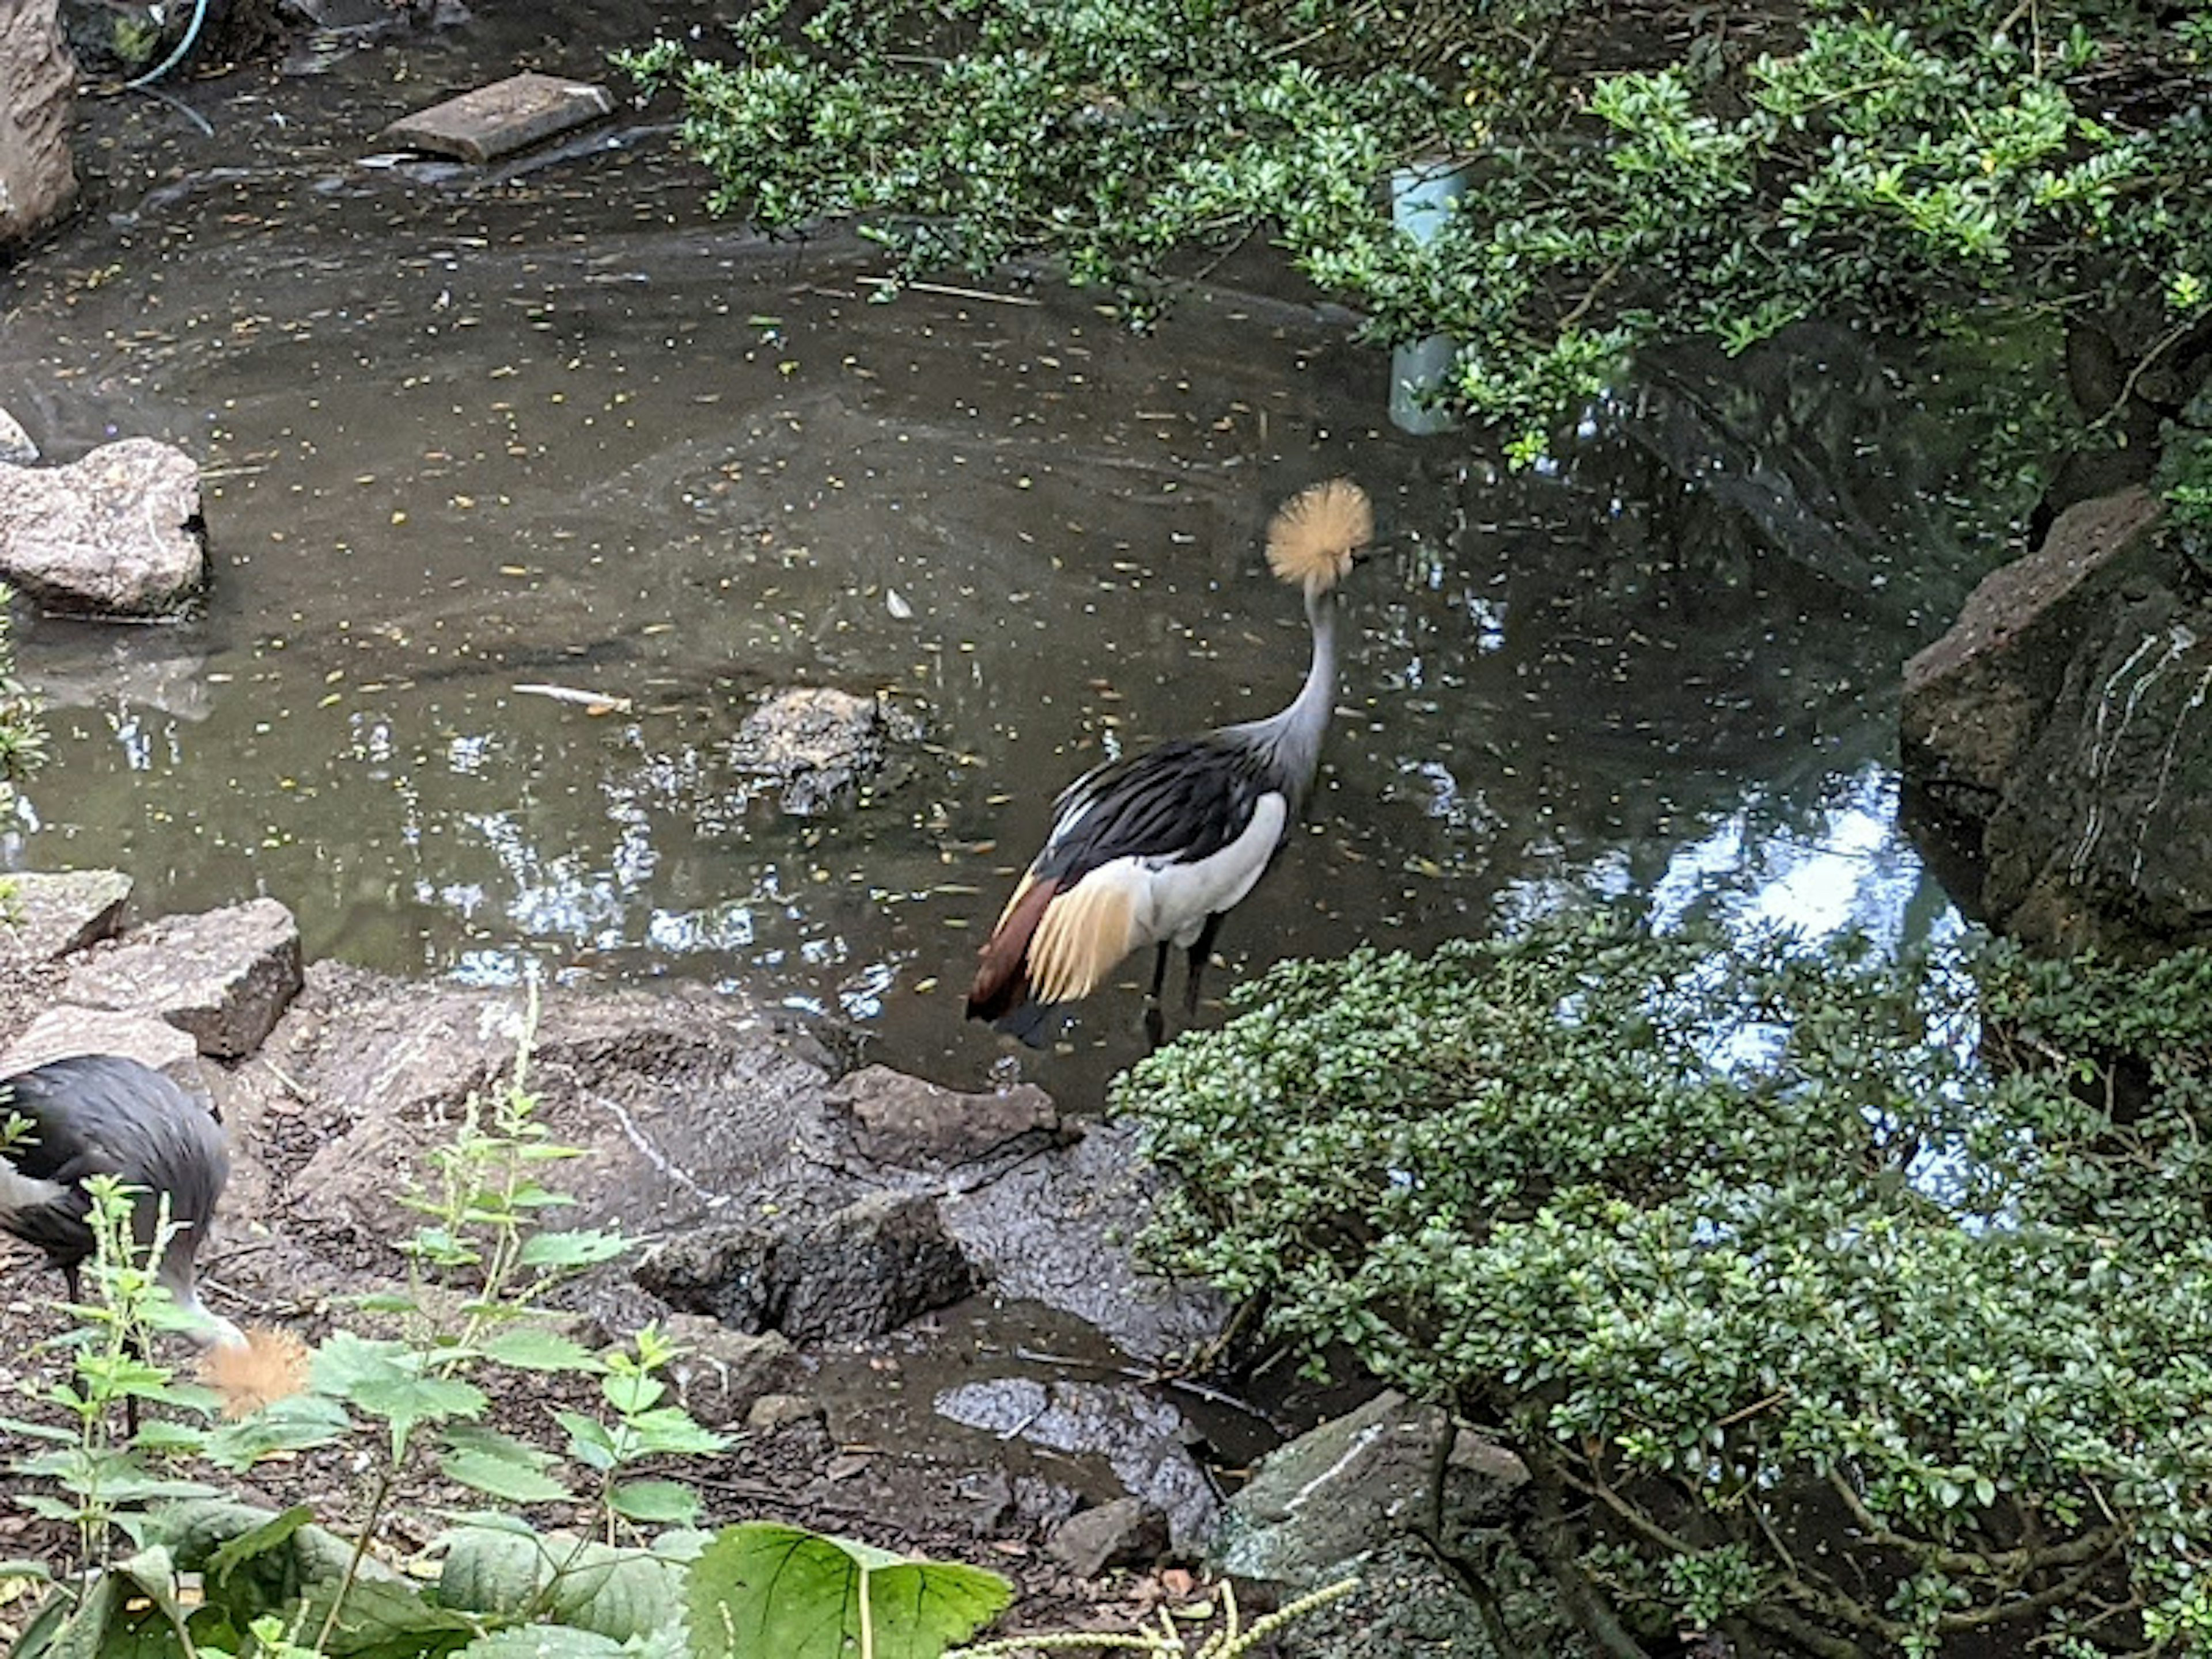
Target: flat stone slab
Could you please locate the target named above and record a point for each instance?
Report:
(502, 118)
(224, 977)
(54, 913)
(61, 1032)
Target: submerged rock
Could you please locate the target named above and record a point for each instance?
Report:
(813, 746)
(116, 534)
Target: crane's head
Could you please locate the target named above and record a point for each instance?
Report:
(1315, 535)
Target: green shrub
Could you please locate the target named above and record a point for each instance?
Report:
(1912, 167)
(1862, 1304)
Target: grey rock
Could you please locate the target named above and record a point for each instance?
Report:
(1329, 1497)
(688, 1106)
(772, 1411)
(16, 446)
(723, 1374)
(1056, 1229)
(50, 914)
(1126, 1533)
(873, 1266)
(1141, 1439)
(812, 746)
(502, 118)
(1975, 700)
(117, 533)
(224, 976)
(2060, 726)
(908, 1123)
(38, 91)
(1410, 1605)
(68, 1030)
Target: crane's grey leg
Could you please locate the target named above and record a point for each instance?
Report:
(1201, 952)
(1159, 971)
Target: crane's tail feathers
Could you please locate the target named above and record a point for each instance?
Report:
(1082, 937)
(1312, 538)
(1002, 977)
(1052, 946)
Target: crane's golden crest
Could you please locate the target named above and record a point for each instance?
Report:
(1311, 539)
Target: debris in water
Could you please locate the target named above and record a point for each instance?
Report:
(594, 702)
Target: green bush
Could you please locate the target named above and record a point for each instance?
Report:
(1914, 166)
(1859, 1304)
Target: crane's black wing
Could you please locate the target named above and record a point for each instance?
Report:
(1184, 801)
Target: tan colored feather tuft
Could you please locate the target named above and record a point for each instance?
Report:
(1311, 539)
(268, 1366)
(1082, 937)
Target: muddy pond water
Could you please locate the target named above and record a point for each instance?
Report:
(466, 430)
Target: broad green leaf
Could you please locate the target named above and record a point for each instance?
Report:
(384, 1614)
(658, 1503)
(545, 1642)
(620, 1593)
(534, 1348)
(764, 1588)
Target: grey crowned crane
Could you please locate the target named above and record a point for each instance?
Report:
(1155, 848)
(94, 1115)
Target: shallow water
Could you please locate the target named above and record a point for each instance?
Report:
(464, 432)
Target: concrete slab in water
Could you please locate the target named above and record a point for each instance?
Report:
(502, 118)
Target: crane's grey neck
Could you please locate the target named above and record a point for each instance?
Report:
(1289, 744)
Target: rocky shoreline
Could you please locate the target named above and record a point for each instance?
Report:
(917, 1310)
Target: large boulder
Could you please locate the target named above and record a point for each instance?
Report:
(2063, 729)
(38, 91)
(225, 978)
(117, 533)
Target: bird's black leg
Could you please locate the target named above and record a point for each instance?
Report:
(1200, 954)
(1155, 1025)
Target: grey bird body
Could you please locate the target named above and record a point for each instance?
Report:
(1155, 849)
(93, 1115)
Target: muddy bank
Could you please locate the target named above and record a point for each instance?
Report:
(915, 1309)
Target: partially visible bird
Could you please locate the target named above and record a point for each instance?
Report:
(1157, 847)
(93, 1115)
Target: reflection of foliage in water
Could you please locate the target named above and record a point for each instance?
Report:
(1905, 168)
(1804, 1318)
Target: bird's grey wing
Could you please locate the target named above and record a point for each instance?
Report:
(45, 1212)
(1185, 800)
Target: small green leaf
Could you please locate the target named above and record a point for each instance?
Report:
(658, 1503)
(534, 1348)
(495, 1476)
(571, 1249)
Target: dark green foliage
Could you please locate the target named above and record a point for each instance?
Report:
(1907, 165)
(1820, 1322)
